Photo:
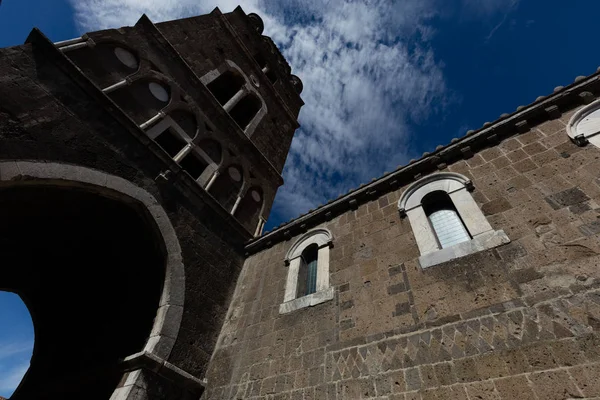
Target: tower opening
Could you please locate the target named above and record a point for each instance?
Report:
(226, 86)
(227, 187)
(245, 110)
(249, 209)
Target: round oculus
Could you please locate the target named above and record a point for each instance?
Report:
(254, 81)
(234, 173)
(126, 57)
(159, 91)
(255, 195)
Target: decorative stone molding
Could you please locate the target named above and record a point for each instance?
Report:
(256, 22)
(247, 89)
(457, 187)
(584, 125)
(324, 240)
(296, 83)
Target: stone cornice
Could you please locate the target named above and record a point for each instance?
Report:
(542, 109)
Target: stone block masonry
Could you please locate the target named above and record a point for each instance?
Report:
(519, 321)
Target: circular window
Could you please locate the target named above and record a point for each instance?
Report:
(255, 195)
(126, 57)
(159, 91)
(234, 173)
(254, 81)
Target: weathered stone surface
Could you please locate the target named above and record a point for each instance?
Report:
(519, 319)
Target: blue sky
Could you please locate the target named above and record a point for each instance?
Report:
(384, 81)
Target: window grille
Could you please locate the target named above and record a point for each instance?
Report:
(307, 275)
(445, 221)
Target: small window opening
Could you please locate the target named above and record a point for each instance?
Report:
(159, 91)
(141, 100)
(194, 165)
(170, 142)
(307, 275)
(245, 110)
(227, 187)
(248, 211)
(271, 75)
(444, 219)
(267, 70)
(226, 86)
(126, 57)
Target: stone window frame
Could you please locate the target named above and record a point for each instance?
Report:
(579, 138)
(324, 240)
(458, 188)
(167, 123)
(247, 89)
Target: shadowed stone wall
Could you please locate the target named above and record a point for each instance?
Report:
(520, 321)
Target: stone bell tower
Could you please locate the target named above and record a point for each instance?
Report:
(227, 118)
(138, 161)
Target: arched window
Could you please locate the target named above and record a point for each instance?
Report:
(308, 271)
(584, 125)
(307, 276)
(105, 63)
(446, 221)
(227, 186)
(226, 86)
(245, 110)
(249, 208)
(266, 69)
(177, 134)
(142, 100)
(237, 95)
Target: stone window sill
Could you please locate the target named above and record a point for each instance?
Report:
(484, 241)
(306, 301)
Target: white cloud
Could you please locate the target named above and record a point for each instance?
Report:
(14, 362)
(367, 71)
(11, 377)
(489, 7)
(11, 349)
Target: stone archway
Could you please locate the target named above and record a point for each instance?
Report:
(94, 257)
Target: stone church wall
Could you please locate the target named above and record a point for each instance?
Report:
(520, 321)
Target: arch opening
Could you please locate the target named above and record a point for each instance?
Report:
(249, 209)
(245, 110)
(142, 100)
(227, 186)
(91, 269)
(226, 86)
(106, 63)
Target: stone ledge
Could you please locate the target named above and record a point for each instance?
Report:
(150, 362)
(307, 301)
(485, 241)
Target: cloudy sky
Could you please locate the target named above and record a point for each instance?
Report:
(384, 80)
